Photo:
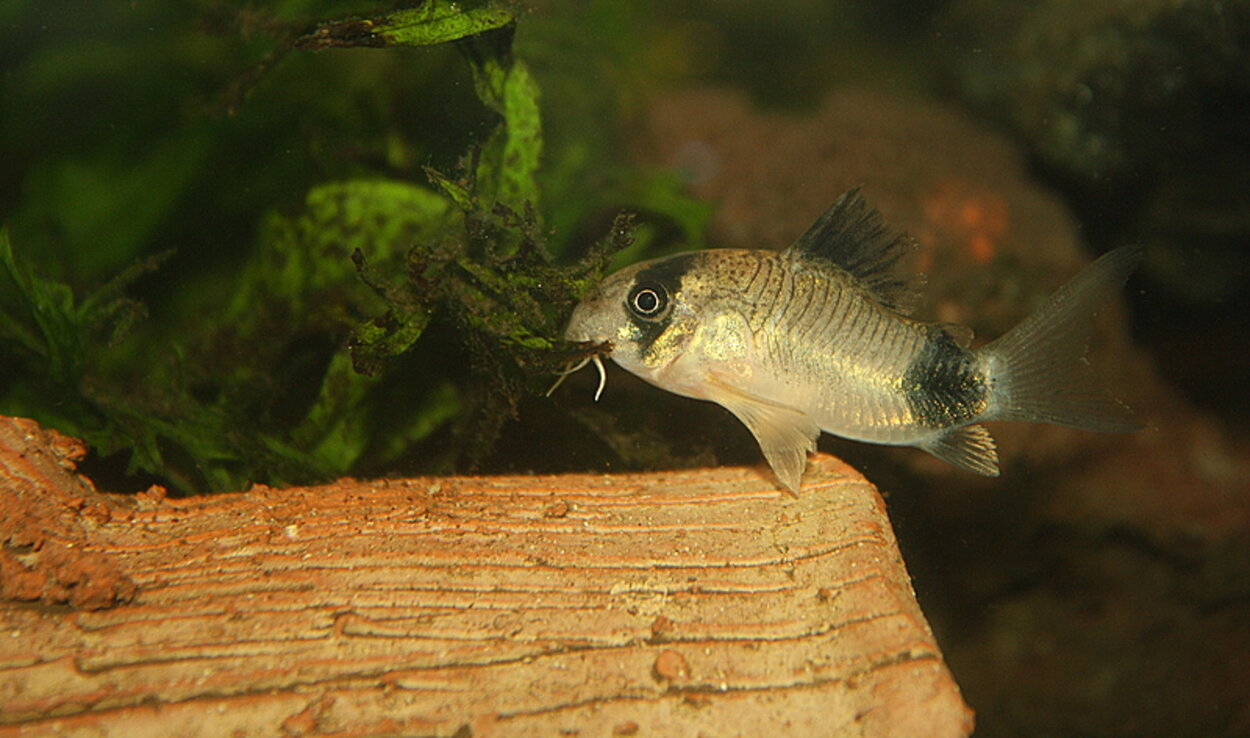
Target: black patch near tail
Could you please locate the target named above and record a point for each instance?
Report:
(943, 385)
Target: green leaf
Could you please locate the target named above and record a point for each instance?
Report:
(434, 22)
(390, 335)
(508, 168)
(440, 22)
(336, 432)
(458, 193)
(507, 164)
(309, 279)
(43, 319)
(307, 258)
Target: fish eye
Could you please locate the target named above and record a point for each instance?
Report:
(649, 301)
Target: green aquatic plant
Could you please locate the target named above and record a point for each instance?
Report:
(383, 322)
(487, 265)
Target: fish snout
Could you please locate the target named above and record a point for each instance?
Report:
(586, 323)
(577, 330)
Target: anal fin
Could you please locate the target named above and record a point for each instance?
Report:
(785, 435)
(970, 447)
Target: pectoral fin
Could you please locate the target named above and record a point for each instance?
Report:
(786, 436)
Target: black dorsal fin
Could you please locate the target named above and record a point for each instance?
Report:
(853, 235)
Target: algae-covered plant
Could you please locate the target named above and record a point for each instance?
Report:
(398, 313)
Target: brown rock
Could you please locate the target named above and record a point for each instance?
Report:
(671, 666)
(47, 521)
(335, 610)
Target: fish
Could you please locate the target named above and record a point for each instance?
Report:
(818, 337)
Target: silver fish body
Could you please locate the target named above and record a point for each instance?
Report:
(816, 337)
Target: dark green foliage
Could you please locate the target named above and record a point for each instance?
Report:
(427, 24)
(59, 341)
(382, 321)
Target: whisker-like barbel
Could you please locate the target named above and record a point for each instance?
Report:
(562, 375)
(603, 374)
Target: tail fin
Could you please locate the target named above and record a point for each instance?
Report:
(1038, 371)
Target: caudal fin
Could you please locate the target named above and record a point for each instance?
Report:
(1037, 370)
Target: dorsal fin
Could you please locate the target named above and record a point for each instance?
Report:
(853, 235)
